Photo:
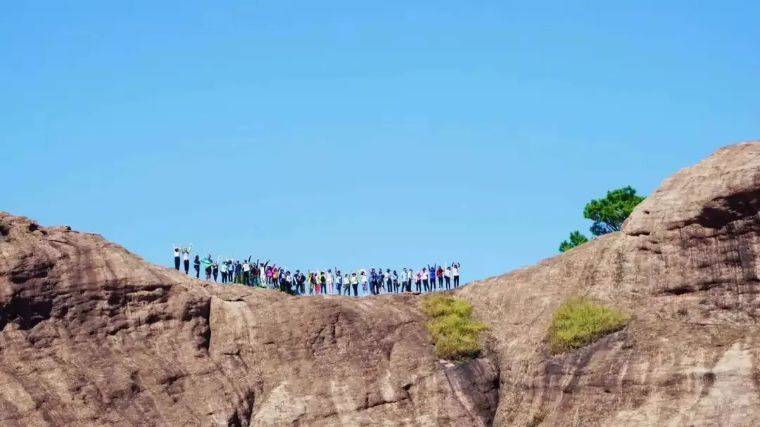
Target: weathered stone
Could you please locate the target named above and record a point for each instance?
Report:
(90, 334)
(685, 267)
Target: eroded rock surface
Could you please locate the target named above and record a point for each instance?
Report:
(90, 334)
(685, 267)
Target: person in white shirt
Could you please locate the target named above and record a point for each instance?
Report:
(338, 282)
(223, 270)
(288, 282)
(329, 282)
(447, 277)
(455, 273)
(176, 257)
(364, 281)
(347, 284)
(246, 272)
(186, 258)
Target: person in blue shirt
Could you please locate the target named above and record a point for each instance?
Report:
(372, 281)
(431, 276)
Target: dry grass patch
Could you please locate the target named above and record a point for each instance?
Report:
(455, 334)
(579, 322)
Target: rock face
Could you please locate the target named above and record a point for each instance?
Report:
(90, 334)
(685, 266)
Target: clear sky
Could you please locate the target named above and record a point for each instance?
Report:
(361, 133)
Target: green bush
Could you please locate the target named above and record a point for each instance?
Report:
(455, 334)
(579, 322)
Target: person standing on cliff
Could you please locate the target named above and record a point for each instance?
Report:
(338, 282)
(329, 282)
(301, 283)
(431, 273)
(323, 282)
(455, 273)
(197, 266)
(246, 272)
(354, 284)
(288, 282)
(176, 257)
(263, 273)
(207, 266)
(268, 274)
(186, 258)
(363, 280)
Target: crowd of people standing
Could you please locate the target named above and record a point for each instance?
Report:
(331, 281)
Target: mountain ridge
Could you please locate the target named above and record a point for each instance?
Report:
(92, 334)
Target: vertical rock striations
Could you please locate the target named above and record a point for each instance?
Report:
(92, 335)
(685, 266)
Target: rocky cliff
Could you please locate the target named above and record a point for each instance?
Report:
(90, 334)
(685, 266)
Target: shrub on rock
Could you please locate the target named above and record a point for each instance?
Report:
(455, 334)
(579, 322)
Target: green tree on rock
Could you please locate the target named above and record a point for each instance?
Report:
(608, 215)
(576, 239)
(610, 212)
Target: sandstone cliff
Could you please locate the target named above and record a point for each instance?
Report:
(685, 267)
(91, 334)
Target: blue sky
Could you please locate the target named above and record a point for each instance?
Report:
(361, 133)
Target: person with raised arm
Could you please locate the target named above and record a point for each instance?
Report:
(431, 275)
(207, 266)
(455, 272)
(247, 272)
(186, 258)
